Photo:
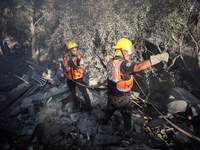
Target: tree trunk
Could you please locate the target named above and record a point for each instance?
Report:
(34, 51)
(198, 32)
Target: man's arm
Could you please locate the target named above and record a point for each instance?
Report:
(142, 66)
(154, 59)
(80, 68)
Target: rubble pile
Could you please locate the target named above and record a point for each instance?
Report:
(42, 116)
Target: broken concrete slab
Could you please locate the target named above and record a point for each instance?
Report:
(57, 90)
(178, 100)
(26, 102)
(178, 93)
(67, 128)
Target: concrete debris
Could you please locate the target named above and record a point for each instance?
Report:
(57, 90)
(31, 110)
(75, 117)
(68, 107)
(48, 113)
(96, 99)
(87, 126)
(55, 129)
(84, 142)
(40, 119)
(68, 128)
(26, 102)
(105, 139)
(15, 111)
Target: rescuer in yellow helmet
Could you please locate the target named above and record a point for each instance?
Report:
(73, 69)
(120, 80)
(71, 44)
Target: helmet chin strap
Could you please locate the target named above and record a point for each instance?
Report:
(122, 53)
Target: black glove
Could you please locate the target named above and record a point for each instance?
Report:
(71, 64)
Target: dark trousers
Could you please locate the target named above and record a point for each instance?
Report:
(123, 104)
(72, 87)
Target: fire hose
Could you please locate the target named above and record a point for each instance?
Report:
(87, 86)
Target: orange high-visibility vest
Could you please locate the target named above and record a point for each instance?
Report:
(115, 75)
(71, 73)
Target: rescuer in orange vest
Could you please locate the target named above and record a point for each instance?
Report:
(120, 80)
(73, 69)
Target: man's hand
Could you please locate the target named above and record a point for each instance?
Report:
(155, 59)
(71, 64)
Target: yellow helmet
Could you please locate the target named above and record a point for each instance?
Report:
(71, 44)
(125, 45)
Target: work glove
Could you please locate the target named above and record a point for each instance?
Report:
(155, 59)
(71, 64)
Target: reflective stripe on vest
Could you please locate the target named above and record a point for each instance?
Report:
(115, 75)
(71, 73)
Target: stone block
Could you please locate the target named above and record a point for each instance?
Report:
(67, 129)
(83, 142)
(26, 102)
